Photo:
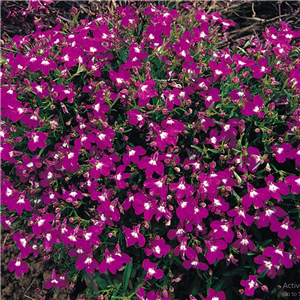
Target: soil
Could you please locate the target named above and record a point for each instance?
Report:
(251, 18)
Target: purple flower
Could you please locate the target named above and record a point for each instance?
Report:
(266, 264)
(111, 262)
(193, 261)
(19, 202)
(157, 186)
(274, 190)
(145, 91)
(42, 223)
(219, 69)
(295, 241)
(294, 182)
(121, 79)
(133, 235)
(283, 228)
(211, 97)
(158, 248)
(182, 249)
(36, 140)
(136, 117)
(151, 269)
(253, 196)
(182, 189)
(242, 61)
(22, 244)
(222, 230)
(278, 255)
(244, 244)
(120, 177)
(269, 215)
(262, 69)
(251, 108)
(202, 33)
(86, 261)
(151, 164)
(282, 151)
(214, 250)
(250, 285)
(57, 281)
(18, 266)
(213, 295)
(132, 155)
(240, 215)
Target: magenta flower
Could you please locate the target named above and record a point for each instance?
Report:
(282, 151)
(40, 89)
(120, 177)
(269, 215)
(294, 182)
(211, 97)
(251, 108)
(240, 215)
(219, 69)
(242, 61)
(57, 281)
(36, 140)
(278, 255)
(151, 164)
(182, 189)
(222, 230)
(22, 244)
(133, 154)
(193, 261)
(101, 167)
(42, 63)
(244, 244)
(201, 33)
(295, 241)
(8, 94)
(214, 250)
(18, 266)
(283, 228)
(121, 79)
(19, 202)
(253, 196)
(213, 295)
(158, 248)
(157, 186)
(266, 264)
(14, 110)
(148, 208)
(42, 223)
(136, 117)
(111, 262)
(86, 261)
(151, 269)
(145, 91)
(262, 69)
(218, 204)
(274, 190)
(133, 236)
(250, 285)
(182, 249)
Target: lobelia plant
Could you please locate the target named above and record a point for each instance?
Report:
(139, 155)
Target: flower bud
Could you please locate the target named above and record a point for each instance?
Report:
(235, 79)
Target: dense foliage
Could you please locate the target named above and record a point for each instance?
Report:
(140, 155)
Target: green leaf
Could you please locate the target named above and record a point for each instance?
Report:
(101, 282)
(197, 148)
(265, 243)
(263, 274)
(126, 275)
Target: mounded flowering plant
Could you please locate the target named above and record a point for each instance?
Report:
(140, 156)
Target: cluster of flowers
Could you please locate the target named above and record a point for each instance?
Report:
(133, 138)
